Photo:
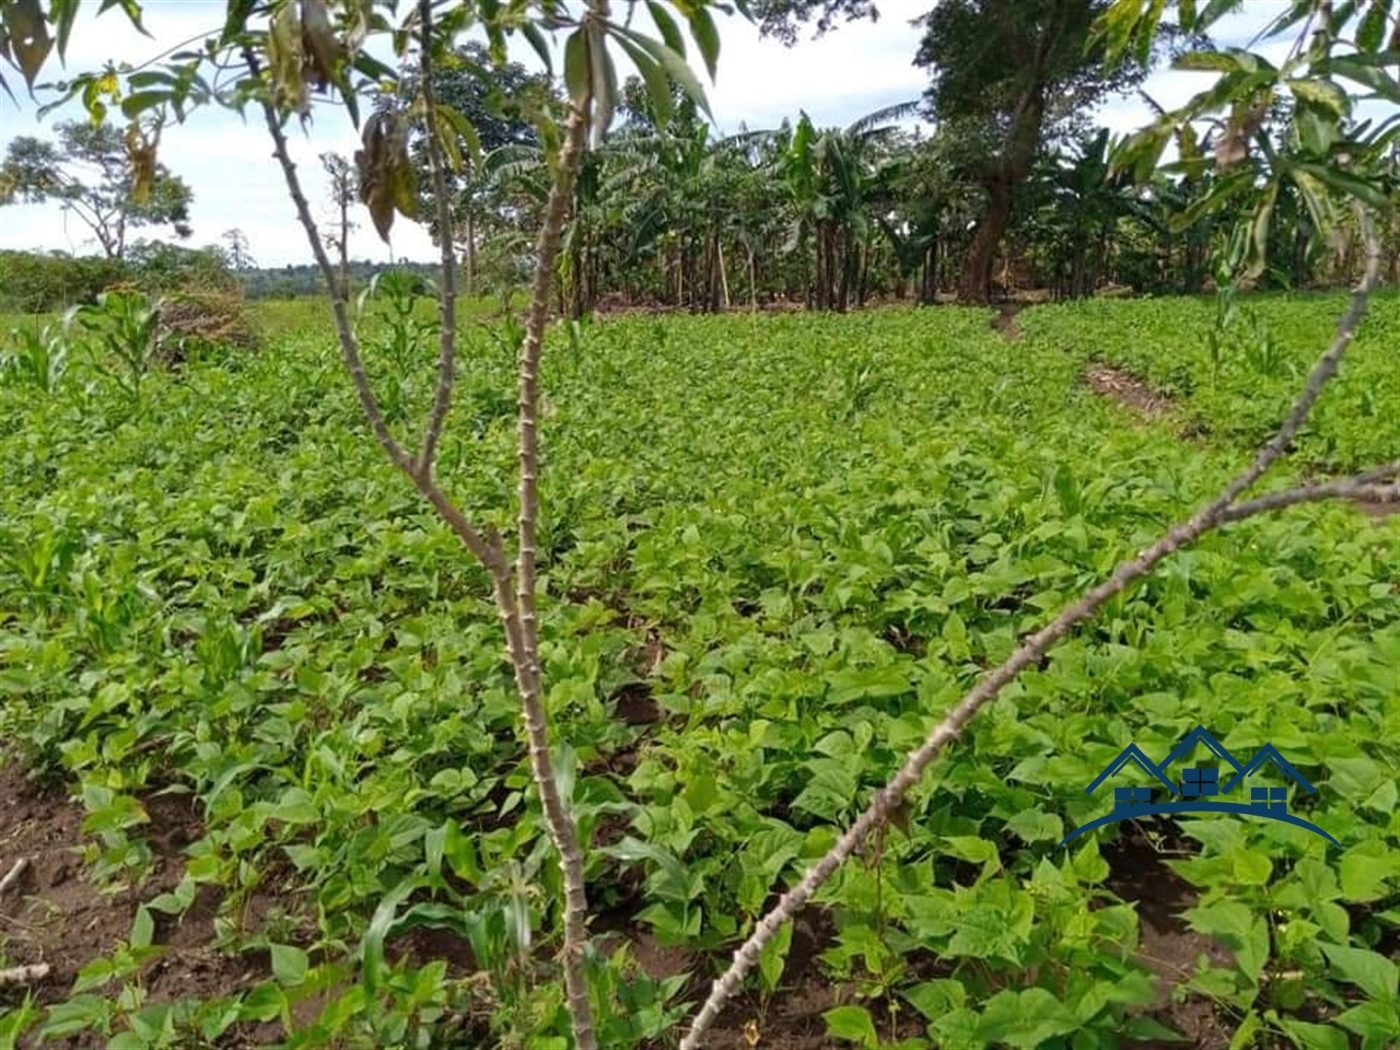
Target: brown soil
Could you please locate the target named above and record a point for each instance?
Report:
(1167, 946)
(57, 916)
(1005, 320)
(1377, 509)
(1128, 390)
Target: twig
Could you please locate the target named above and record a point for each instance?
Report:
(1210, 516)
(447, 355)
(24, 974)
(1352, 488)
(14, 875)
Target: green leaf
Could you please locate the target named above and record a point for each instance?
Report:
(773, 959)
(935, 998)
(1364, 869)
(1374, 1022)
(674, 65)
(577, 73)
(143, 929)
(1320, 92)
(1349, 184)
(1370, 34)
(537, 41)
(702, 28)
(289, 964)
(657, 85)
(666, 25)
(1024, 1019)
(1240, 929)
(1370, 971)
(380, 924)
(1309, 1036)
(853, 1024)
(1033, 825)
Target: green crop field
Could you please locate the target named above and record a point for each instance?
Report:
(258, 685)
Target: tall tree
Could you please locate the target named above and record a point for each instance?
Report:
(1018, 74)
(91, 171)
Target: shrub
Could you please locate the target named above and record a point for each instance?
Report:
(33, 283)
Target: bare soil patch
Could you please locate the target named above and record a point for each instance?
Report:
(1167, 946)
(56, 916)
(1005, 320)
(1128, 390)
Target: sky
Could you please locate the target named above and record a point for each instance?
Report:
(856, 68)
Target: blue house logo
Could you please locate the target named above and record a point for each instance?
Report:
(1201, 788)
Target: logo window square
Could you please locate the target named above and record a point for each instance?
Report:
(1278, 807)
(1123, 793)
(1259, 794)
(1212, 775)
(1193, 774)
(1190, 788)
(1210, 789)
(1142, 794)
(1278, 794)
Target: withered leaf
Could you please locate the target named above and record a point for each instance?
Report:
(285, 56)
(320, 47)
(141, 154)
(29, 41)
(387, 179)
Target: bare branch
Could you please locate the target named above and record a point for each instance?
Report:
(1211, 515)
(1351, 488)
(447, 354)
(490, 555)
(349, 347)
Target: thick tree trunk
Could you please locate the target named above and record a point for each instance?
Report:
(975, 284)
(1009, 172)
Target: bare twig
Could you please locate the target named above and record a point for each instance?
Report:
(1351, 488)
(447, 355)
(1210, 516)
(14, 875)
(24, 974)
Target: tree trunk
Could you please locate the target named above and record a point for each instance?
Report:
(753, 282)
(723, 277)
(1008, 173)
(469, 271)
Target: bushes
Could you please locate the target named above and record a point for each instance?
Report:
(46, 283)
(31, 283)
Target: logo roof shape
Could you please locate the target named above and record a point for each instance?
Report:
(1200, 735)
(1266, 754)
(1131, 753)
